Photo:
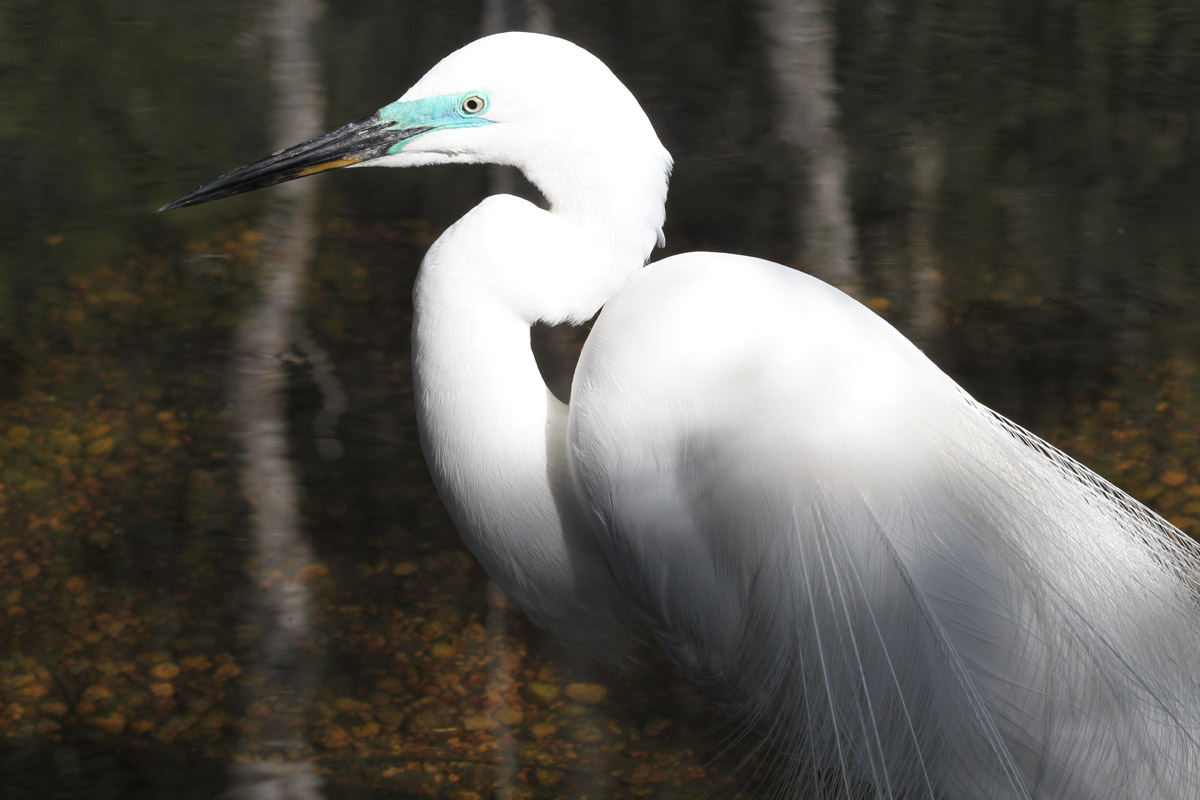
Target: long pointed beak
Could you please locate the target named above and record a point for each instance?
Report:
(350, 144)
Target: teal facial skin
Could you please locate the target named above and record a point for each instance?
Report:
(384, 133)
(435, 113)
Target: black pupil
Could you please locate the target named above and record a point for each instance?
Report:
(472, 104)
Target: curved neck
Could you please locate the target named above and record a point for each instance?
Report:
(495, 441)
(622, 205)
(485, 415)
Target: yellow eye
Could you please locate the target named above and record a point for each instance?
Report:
(473, 104)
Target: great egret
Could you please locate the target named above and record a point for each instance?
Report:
(905, 593)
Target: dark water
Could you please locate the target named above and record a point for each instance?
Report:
(225, 568)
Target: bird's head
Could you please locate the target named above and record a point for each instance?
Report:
(535, 102)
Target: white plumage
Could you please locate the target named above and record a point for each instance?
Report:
(905, 593)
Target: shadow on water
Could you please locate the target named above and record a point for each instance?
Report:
(226, 569)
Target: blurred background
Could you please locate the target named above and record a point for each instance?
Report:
(223, 568)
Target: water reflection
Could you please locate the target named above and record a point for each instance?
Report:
(1029, 215)
(273, 757)
(799, 45)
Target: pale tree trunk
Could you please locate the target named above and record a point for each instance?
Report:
(799, 43)
(926, 318)
(272, 759)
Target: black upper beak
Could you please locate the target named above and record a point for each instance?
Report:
(350, 144)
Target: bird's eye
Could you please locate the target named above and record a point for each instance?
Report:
(473, 104)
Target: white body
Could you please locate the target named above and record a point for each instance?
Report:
(905, 593)
(830, 536)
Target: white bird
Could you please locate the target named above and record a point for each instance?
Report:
(906, 594)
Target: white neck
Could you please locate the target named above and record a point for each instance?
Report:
(493, 434)
(622, 204)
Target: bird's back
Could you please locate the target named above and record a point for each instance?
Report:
(902, 588)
